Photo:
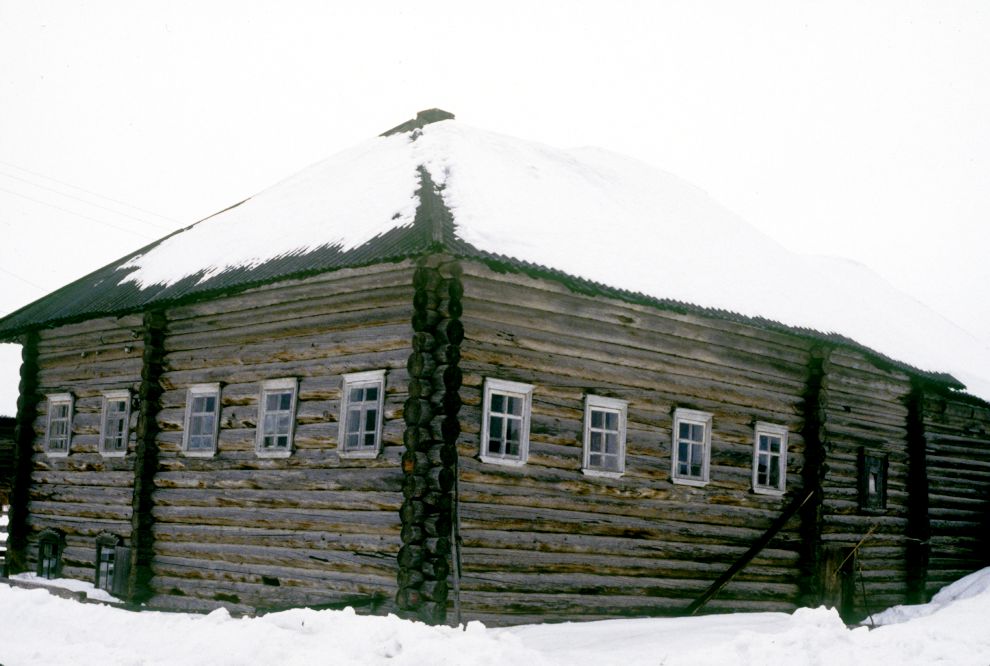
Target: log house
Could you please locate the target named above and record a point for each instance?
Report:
(421, 426)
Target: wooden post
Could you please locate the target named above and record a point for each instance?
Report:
(146, 459)
(919, 525)
(815, 436)
(27, 410)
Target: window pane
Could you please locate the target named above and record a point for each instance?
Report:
(512, 448)
(774, 479)
(498, 403)
(612, 443)
(596, 418)
(371, 394)
(684, 431)
(612, 420)
(271, 402)
(285, 401)
(683, 453)
(352, 440)
(595, 442)
(595, 460)
(512, 430)
(357, 395)
(515, 406)
(611, 463)
(369, 440)
(353, 420)
(370, 419)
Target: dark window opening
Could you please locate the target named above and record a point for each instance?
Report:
(112, 565)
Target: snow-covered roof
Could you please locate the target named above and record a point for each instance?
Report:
(586, 213)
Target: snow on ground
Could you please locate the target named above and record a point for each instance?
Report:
(37, 628)
(588, 212)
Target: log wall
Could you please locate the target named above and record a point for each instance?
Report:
(957, 437)
(866, 408)
(544, 539)
(84, 493)
(308, 529)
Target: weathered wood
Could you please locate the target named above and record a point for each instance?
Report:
(17, 529)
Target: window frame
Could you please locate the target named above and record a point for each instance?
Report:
(55, 539)
(276, 386)
(873, 502)
(693, 417)
(510, 389)
(105, 541)
(603, 404)
(771, 430)
(196, 391)
(108, 396)
(55, 399)
(356, 380)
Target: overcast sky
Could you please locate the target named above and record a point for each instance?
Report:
(855, 129)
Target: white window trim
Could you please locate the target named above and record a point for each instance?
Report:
(775, 430)
(122, 394)
(193, 391)
(276, 385)
(524, 391)
(57, 399)
(703, 419)
(611, 404)
(369, 377)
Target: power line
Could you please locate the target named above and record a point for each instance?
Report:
(82, 189)
(72, 212)
(88, 203)
(24, 280)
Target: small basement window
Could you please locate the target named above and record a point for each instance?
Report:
(361, 402)
(112, 564)
(202, 420)
(51, 543)
(505, 422)
(58, 431)
(872, 481)
(604, 436)
(769, 459)
(691, 447)
(276, 417)
(115, 423)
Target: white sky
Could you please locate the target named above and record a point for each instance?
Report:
(853, 129)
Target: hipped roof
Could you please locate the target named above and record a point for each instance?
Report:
(600, 222)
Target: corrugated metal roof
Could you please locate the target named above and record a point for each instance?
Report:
(106, 292)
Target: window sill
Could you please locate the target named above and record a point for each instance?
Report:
(273, 454)
(367, 455)
(601, 473)
(769, 491)
(57, 454)
(697, 483)
(113, 454)
(199, 454)
(507, 462)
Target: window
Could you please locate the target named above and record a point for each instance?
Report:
(505, 422)
(115, 423)
(58, 433)
(202, 420)
(872, 481)
(51, 543)
(112, 565)
(692, 443)
(361, 414)
(604, 436)
(276, 418)
(769, 459)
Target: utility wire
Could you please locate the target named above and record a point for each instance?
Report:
(72, 212)
(24, 280)
(88, 203)
(82, 189)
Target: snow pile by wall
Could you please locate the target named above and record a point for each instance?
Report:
(587, 212)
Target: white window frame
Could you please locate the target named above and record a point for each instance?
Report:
(770, 430)
(56, 399)
(602, 404)
(510, 389)
(693, 417)
(276, 386)
(193, 392)
(361, 380)
(113, 396)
